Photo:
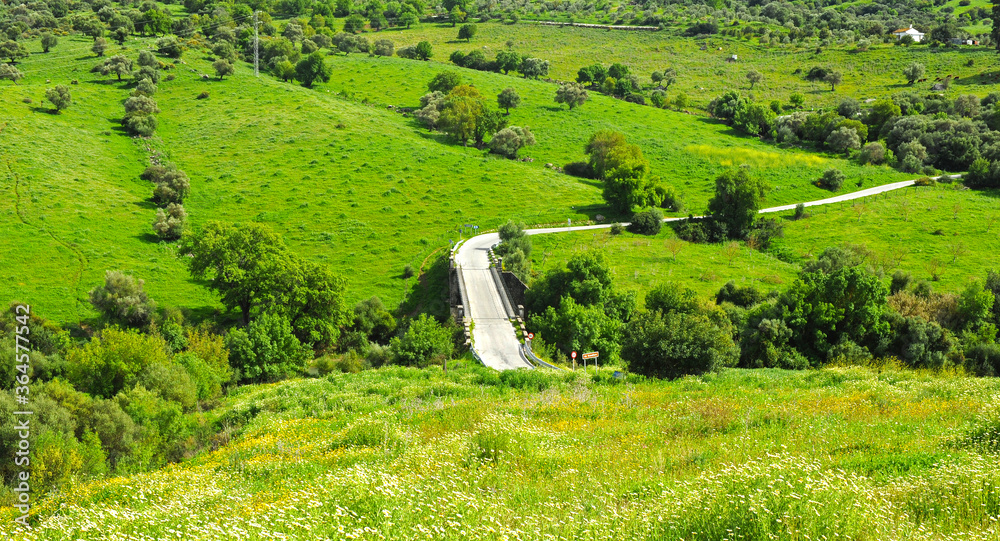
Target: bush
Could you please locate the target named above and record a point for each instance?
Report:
(140, 124)
(172, 382)
(673, 345)
(901, 281)
(169, 224)
(122, 300)
(647, 222)
(617, 229)
(110, 362)
(800, 211)
(206, 379)
(832, 179)
(382, 47)
(266, 350)
(424, 342)
(745, 296)
(445, 81)
(873, 153)
(579, 169)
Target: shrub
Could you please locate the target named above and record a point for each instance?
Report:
(140, 124)
(579, 169)
(203, 95)
(59, 97)
(112, 360)
(266, 350)
(800, 211)
(212, 350)
(673, 345)
(122, 300)
(873, 153)
(169, 224)
(425, 341)
(648, 222)
(172, 382)
(382, 47)
(901, 281)
(832, 179)
(617, 229)
(745, 296)
(169, 46)
(508, 141)
(206, 379)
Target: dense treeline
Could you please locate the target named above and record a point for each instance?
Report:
(914, 132)
(841, 309)
(135, 388)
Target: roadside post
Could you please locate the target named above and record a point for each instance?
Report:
(590, 355)
(573, 355)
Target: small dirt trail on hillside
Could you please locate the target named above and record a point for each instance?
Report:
(18, 183)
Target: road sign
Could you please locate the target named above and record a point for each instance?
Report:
(531, 336)
(573, 355)
(590, 355)
(468, 225)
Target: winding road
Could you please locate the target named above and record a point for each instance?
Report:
(493, 336)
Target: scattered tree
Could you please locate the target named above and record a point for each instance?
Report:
(508, 141)
(834, 78)
(59, 97)
(48, 42)
(913, 72)
(738, 197)
(169, 223)
(424, 50)
(118, 65)
(572, 94)
(354, 23)
(122, 300)
(10, 73)
(223, 68)
(467, 32)
(100, 45)
(508, 99)
(754, 77)
(444, 82)
(312, 68)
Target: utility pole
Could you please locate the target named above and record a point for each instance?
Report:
(256, 50)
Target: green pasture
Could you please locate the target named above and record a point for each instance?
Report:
(703, 70)
(642, 262)
(343, 177)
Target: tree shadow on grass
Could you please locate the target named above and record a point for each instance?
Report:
(148, 238)
(430, 295)
(146, 204)
(46, 110)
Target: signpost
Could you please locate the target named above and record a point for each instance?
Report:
(531, 336)
(589, 355)
(573, 356)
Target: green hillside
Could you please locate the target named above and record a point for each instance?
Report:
(349, 183)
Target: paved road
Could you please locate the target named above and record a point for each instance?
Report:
(493, 335)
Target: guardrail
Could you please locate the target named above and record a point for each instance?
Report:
(526, 349)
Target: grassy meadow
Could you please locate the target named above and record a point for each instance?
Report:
(858, 453)
(346, 179)
(641, 262)
(703, 72)
(942, 231)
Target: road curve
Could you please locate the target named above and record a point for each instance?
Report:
(493, 335)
